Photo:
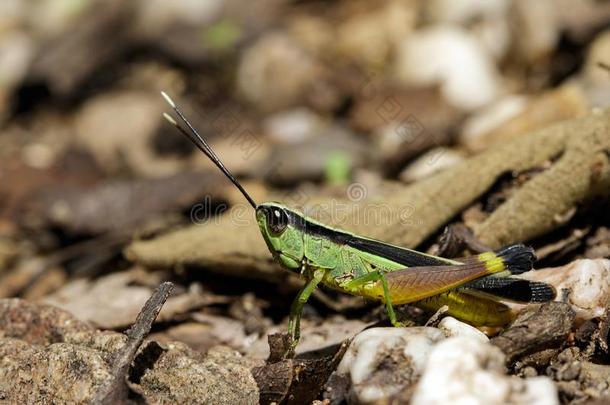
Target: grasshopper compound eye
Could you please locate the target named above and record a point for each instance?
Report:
(277, 220)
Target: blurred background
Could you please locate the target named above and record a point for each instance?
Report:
(301, 99)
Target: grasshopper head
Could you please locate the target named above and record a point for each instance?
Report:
(283, 239)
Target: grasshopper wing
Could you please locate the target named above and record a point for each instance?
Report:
(415, 283)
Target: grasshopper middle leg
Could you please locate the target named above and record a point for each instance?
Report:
(387, 297)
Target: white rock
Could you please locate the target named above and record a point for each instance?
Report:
(430, 162)
(451, 327)
(276, 72)
(293, 126)
(119, 125)
(453, 58)
(465, 370)
(487, 20)
(38, 155)
(371, 347)
(389, 139)
(491, 117)
(588, 281)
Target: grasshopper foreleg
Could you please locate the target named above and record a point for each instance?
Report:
(387, 297)
(294, 322)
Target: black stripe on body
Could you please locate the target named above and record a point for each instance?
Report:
(397, 254)
(406, 257)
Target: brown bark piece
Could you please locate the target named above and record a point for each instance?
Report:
(299, 380)
(536, 329)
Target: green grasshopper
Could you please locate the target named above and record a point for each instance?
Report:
(469, 286)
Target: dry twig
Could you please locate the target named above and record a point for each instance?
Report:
(116, 390)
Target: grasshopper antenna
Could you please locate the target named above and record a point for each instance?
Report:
(202, 145)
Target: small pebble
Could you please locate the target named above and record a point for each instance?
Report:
(368, 361)
(434, 160)
(292, 126)
(454, 59)
(276, 72)
(452, 327)
(484, 122)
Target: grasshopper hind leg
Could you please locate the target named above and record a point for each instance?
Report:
(374, 276)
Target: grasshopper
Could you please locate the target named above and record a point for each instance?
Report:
(471, 287)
